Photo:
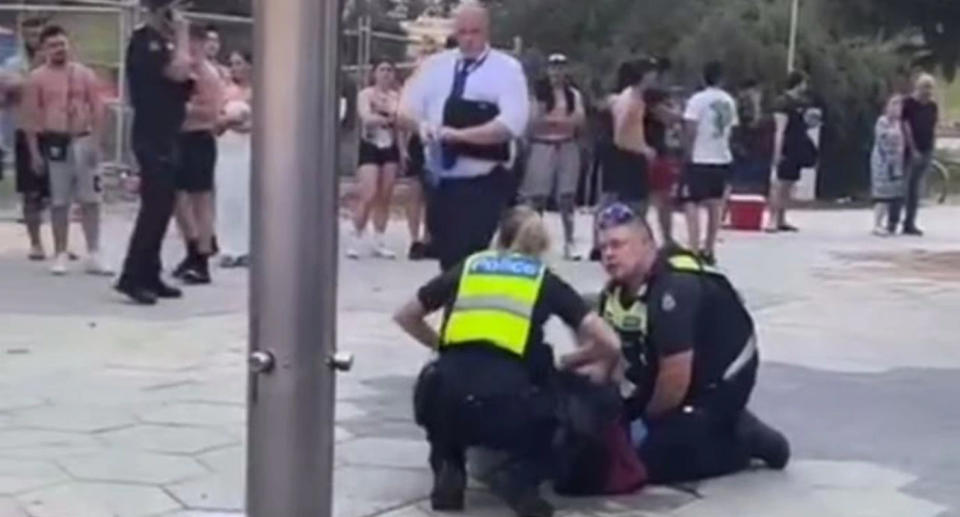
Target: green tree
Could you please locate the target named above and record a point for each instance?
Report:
(851, 70)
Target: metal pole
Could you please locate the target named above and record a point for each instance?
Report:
(293, 281)
(792, 45)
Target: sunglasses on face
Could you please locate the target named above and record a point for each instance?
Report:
(615, 215)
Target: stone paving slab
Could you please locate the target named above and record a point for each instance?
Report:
(111, 410)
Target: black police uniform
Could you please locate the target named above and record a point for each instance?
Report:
(159, 106)
(476, 394)
(711, 433)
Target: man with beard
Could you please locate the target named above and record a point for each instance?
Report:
(63, 118)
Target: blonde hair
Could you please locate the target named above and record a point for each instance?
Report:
(522, 231)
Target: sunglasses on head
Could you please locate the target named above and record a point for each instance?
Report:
(615, 215)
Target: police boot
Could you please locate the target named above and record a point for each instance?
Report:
(764, 442)
(449, 486)
(530, 503)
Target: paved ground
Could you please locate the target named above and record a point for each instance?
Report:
(112, 410)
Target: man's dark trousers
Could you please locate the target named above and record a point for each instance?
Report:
(467, 212)
(158, 162)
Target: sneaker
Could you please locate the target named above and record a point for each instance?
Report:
(95, 266)
(357, 245)
(61, 264)
(880, 231)
(449, 487)
(765, 443)
(789, 228)
(381, 250)
(570, 252)
(913, 231)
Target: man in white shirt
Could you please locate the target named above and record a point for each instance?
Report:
(709, 120)
(477, 84)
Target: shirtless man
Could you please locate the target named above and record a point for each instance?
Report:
(34, 190)
(198, 158)
(554, 162)
(63, 118)
(632, 152)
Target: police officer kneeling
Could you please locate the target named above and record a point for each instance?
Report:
(692, 356)
(490, 385)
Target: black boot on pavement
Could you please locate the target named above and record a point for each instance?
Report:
(764, 442)
(198, 273)
(162, 290)
(184, 265)
(136, 294)
(449, 487)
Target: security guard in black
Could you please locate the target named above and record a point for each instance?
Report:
(158, 72)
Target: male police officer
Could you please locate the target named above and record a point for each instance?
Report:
(692, 355)
(468, 104)
(158, 64)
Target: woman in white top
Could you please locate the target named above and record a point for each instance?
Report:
(234, 166)
(379, 161)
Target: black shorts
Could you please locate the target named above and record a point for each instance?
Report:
(625, 174)
(703, 182)
(198, 159)
(28, 183)
(373, 155)
(788, 170)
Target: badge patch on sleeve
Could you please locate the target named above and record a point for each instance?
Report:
(668, 303)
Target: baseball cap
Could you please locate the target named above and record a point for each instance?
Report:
(557, 59)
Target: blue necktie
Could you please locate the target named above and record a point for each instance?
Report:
(459, 84)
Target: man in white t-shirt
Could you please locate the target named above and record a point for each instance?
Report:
(709, 120)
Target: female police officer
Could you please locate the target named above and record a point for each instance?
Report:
(489, 386)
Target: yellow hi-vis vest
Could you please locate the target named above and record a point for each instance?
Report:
(686, 263)
(495, 301)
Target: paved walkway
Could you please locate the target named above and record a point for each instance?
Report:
(110, 410)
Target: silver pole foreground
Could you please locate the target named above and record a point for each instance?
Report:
(293, 280)
(792, 44)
